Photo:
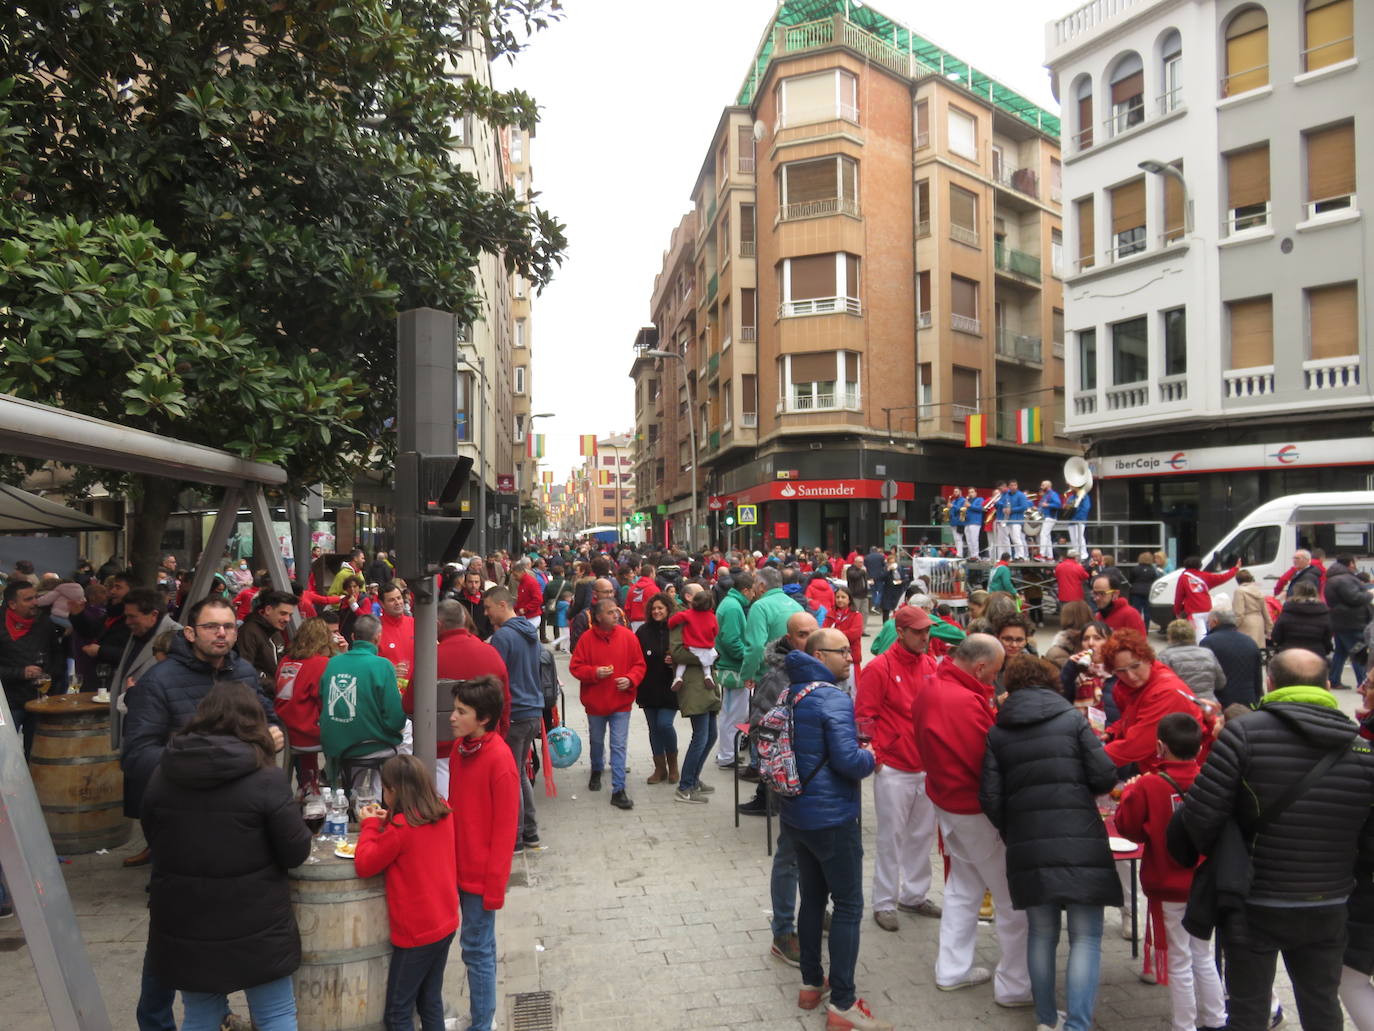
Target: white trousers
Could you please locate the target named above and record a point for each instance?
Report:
(972, 533)
(1357, 995)
(1076, 545)
(959, 533)
(1200, 624)
(734, 708)
(1047, 537)
(441, 777)
(1000, 543)
(905, 837)
(978, 863)
(1194, 985)
(1017, 533)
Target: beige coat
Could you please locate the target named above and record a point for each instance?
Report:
(1252, 614)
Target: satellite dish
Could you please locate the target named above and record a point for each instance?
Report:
(760, 130)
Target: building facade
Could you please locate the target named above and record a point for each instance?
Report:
(607, 482)
(1218, 289)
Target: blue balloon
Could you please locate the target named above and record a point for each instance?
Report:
(565, 747)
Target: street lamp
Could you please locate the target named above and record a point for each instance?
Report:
(1161, 168)
(692, 426)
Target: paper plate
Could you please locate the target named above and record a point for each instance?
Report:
(339, 850)
(1121, 844)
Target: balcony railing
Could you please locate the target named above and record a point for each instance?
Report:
(819, 208)
(1332, 373)
(749, 420)
(922, 228)
(748, 334)
(1128, 395)
(1019, 347)
(1017, 262)
(746, 163)
(966, 324)
(1173, 388)
(1085, 404)
(1022, 180)
(1089, 17)
(712, 285)
(923, 320)
(963, 411)
(746, 248)
(964, 235)
(1254, 382)
(1169, 101)
(847, 398)
(820, 306)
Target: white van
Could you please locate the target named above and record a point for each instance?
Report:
(1340, 522)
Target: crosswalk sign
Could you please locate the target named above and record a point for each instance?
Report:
(748, 515)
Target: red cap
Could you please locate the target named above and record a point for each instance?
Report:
(913, 617)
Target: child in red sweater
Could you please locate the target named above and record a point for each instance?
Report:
(484, 791)
(1184, 963)
(699, 629)
(411, 840)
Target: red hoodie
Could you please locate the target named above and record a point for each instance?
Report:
(617, 648)
(298, 698)
(1147, 805)
(1133, 736)
(421, 897)
(820, 592)
(529, 598)
(1193, 594)
(463, 655)
(638, 596)
(951, 715)
(886, 690)
(484, 793)
(1070, 575)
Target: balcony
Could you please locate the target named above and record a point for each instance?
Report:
(1085, 404)
(820, 306)
(845, 398)
(923, 228)
(1017, 263)
(1057, 349)
(922, 140)
(746, 163)
(819, 209)
(964, 235)
(712, 366)
(1019, 348)
(747, 248)
(748, 334)
(965, 324)
(1024, 181)
(1128, 395)
(1173, 388)
(1332, 373)
(1243, 383)
(962, 411)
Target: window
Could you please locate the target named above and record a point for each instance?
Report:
(1247, 52)
(520, 429)
(923, 299)
(1255, 546)
(1175, 214)
(1056, 180)
(463, 418)
(923, 208)
(818, 98)
(608, 512)
(1175, 342)
(964, 305)
(746, 231)
(1171, 53)
(744, 143)
(964, 391)
(749, 399)
(1329, 33)
(1330, 169)
(520, 288)
(517, 147)
(748, 315)
(1057, 331)
(823, 379)
(1057, 251)
(1247, 188)
(1252, 332)
(1086, 257)
(1332, 321)
(822, 187)
(520, 372)
(963, 216)
(462, 333)
(963, 134)
(1083, 97)
(519, 187)
(520, 333)
(927, 395)
(1128, 94)
(727, 403)
(922, 124)
(1128, 218)
(1087, 359)
(724, 249)
(1130, 353)
(818, 284)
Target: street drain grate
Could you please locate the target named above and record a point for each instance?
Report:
(532, 1011)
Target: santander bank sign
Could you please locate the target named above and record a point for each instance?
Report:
(821, 490)
(838, 489)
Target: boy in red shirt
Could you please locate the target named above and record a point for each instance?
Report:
(699, 629)
(484, 793)
(1184, 963)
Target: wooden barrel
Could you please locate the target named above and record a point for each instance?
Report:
(76, 774)
(345, 946)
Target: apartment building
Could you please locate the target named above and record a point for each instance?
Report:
(1217, 300)
(525, 464)
(877, 234)
(606, 482)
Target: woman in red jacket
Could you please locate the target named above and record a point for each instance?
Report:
(298, 696)
(848, 620)
(1146, 691)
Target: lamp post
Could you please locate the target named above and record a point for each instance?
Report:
(1162, 168)
(692, 426)
(481, 369)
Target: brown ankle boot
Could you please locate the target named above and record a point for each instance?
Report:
(660, 773)
(672, 767)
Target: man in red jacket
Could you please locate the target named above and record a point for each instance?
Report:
(397, 643)
(609, 664)
(1193, 593)
(639, 594)
(906, 819)
(462, 656)
(1112, 609)
(529, 596)
(1070, 575)
(951, 716)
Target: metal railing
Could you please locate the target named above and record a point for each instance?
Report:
(746, 248)
(819, 208)
(1228, 81)
(1236, 222)
(748, 334)
(963, 234)
(1307, 54)
(712, 365)
(1169, 101)
(712, 285)
(1018, 262)
(1125, 116)
(846, 398)
(749, 420)
(1019, 347)
(746, 162)
(923, 320)
(963, 411)
(1022, 180)
(966, 324)
(820, 306)
(1318, 208)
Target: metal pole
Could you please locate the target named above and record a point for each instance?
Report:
(424, 678)
(692, 428)
(482, 463)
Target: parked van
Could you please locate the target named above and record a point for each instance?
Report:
(1264, 542)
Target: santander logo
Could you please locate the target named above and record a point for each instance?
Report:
(788, 491)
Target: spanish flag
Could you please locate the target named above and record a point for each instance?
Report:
(588, 445)
(1028, 426)
(975, 430)
(603, 477)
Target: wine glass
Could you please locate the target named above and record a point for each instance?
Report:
(44, 684)
(314, 812)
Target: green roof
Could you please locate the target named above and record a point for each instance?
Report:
(811, 24)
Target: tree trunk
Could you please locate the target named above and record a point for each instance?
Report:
(157, 498)
(300, 538)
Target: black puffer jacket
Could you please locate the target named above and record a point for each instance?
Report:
(1308, 854)
(1303, 624)
(656, 689)
(224, 831)
(1041, 772)
(1349, 601)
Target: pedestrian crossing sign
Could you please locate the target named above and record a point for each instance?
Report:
(748, 515)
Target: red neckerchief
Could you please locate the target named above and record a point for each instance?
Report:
(467, 747)
(15, 626)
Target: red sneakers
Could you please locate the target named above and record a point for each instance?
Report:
(856, 1017)
(809, 998)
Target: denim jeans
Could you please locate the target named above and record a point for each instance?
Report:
(662, 732)
(703, 737)
(272, 1006)
(783, 883)
(415, 982)
(830, 864)
(619, 724)
(522, 736)
(1085, 960)
(154, 1012)
(477, 939)
(1345, 641)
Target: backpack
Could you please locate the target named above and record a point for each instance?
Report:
(773, 737)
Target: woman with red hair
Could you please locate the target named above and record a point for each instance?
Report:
(1146, 691)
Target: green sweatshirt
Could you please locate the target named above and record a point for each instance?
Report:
(887, 636)
(360, 708)
(730, 643)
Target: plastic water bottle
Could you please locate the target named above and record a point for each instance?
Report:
(338, 816)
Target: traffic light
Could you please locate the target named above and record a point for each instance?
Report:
(429, 532)
(730, 513)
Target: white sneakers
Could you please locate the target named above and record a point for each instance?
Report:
(975, 976)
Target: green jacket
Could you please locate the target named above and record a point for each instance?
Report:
(731, 616)
(694, 697)
(887, 636)
(360, 709)
(1001, 580)
(767, 621)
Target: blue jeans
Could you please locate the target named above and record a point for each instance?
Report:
(1345, 641)
(830, 864)
(477, 939)
(662, 731)
(415, 982)
(783, 883)
(272, 1006)
(703, 738)
(619, 724)
(1085, 959)
(154, 1012)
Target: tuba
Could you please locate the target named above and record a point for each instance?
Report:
(1078, 475)
(1034, 517)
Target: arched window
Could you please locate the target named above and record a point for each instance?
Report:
(1083, 98)
(1328, 33)
(1128, 93)
(1247, 52)
(1171, 61)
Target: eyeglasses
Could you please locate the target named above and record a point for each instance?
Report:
(1129, 669)
(835, 651)
(1103, 594)
(210, 628)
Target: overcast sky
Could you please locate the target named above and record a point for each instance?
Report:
(630, 92)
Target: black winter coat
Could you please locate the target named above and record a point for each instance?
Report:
(1241, 662)
(1349, 601)
(1309, 852)
(223, 831)
(656, 689)
(39, 647)
(1142, 578)
(1303, 624)
(1042, 771)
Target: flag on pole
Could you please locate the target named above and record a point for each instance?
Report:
(547, 476)
(1028, 426)
(603, 477)
(975, 430)
(534, 445)
(588, 445)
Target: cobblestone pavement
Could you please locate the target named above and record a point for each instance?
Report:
(655, 918)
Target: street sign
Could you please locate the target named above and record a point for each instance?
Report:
(748, 515)
(715, 503)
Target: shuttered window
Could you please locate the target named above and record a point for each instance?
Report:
(808, 181)
(1247, 52)
(1086, 258)
(965, 387)
(1084, 101)
(817, 98)
(1129, 87)
(964, 297)
(1329, 32)
(1332, 319)
(744, 142)
(812, 276)
(1252, 332)
(963, 209)
(1128, 206)
(746, 223)
(963, 134)
(814, 368)
(1174, 217)
(1247, 177)
(749, 393)
(923, 298)
(1331, 163)
(851, 275)
(851, 367)
(923, 207)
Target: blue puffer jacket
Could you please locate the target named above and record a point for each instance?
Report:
(823, 732)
